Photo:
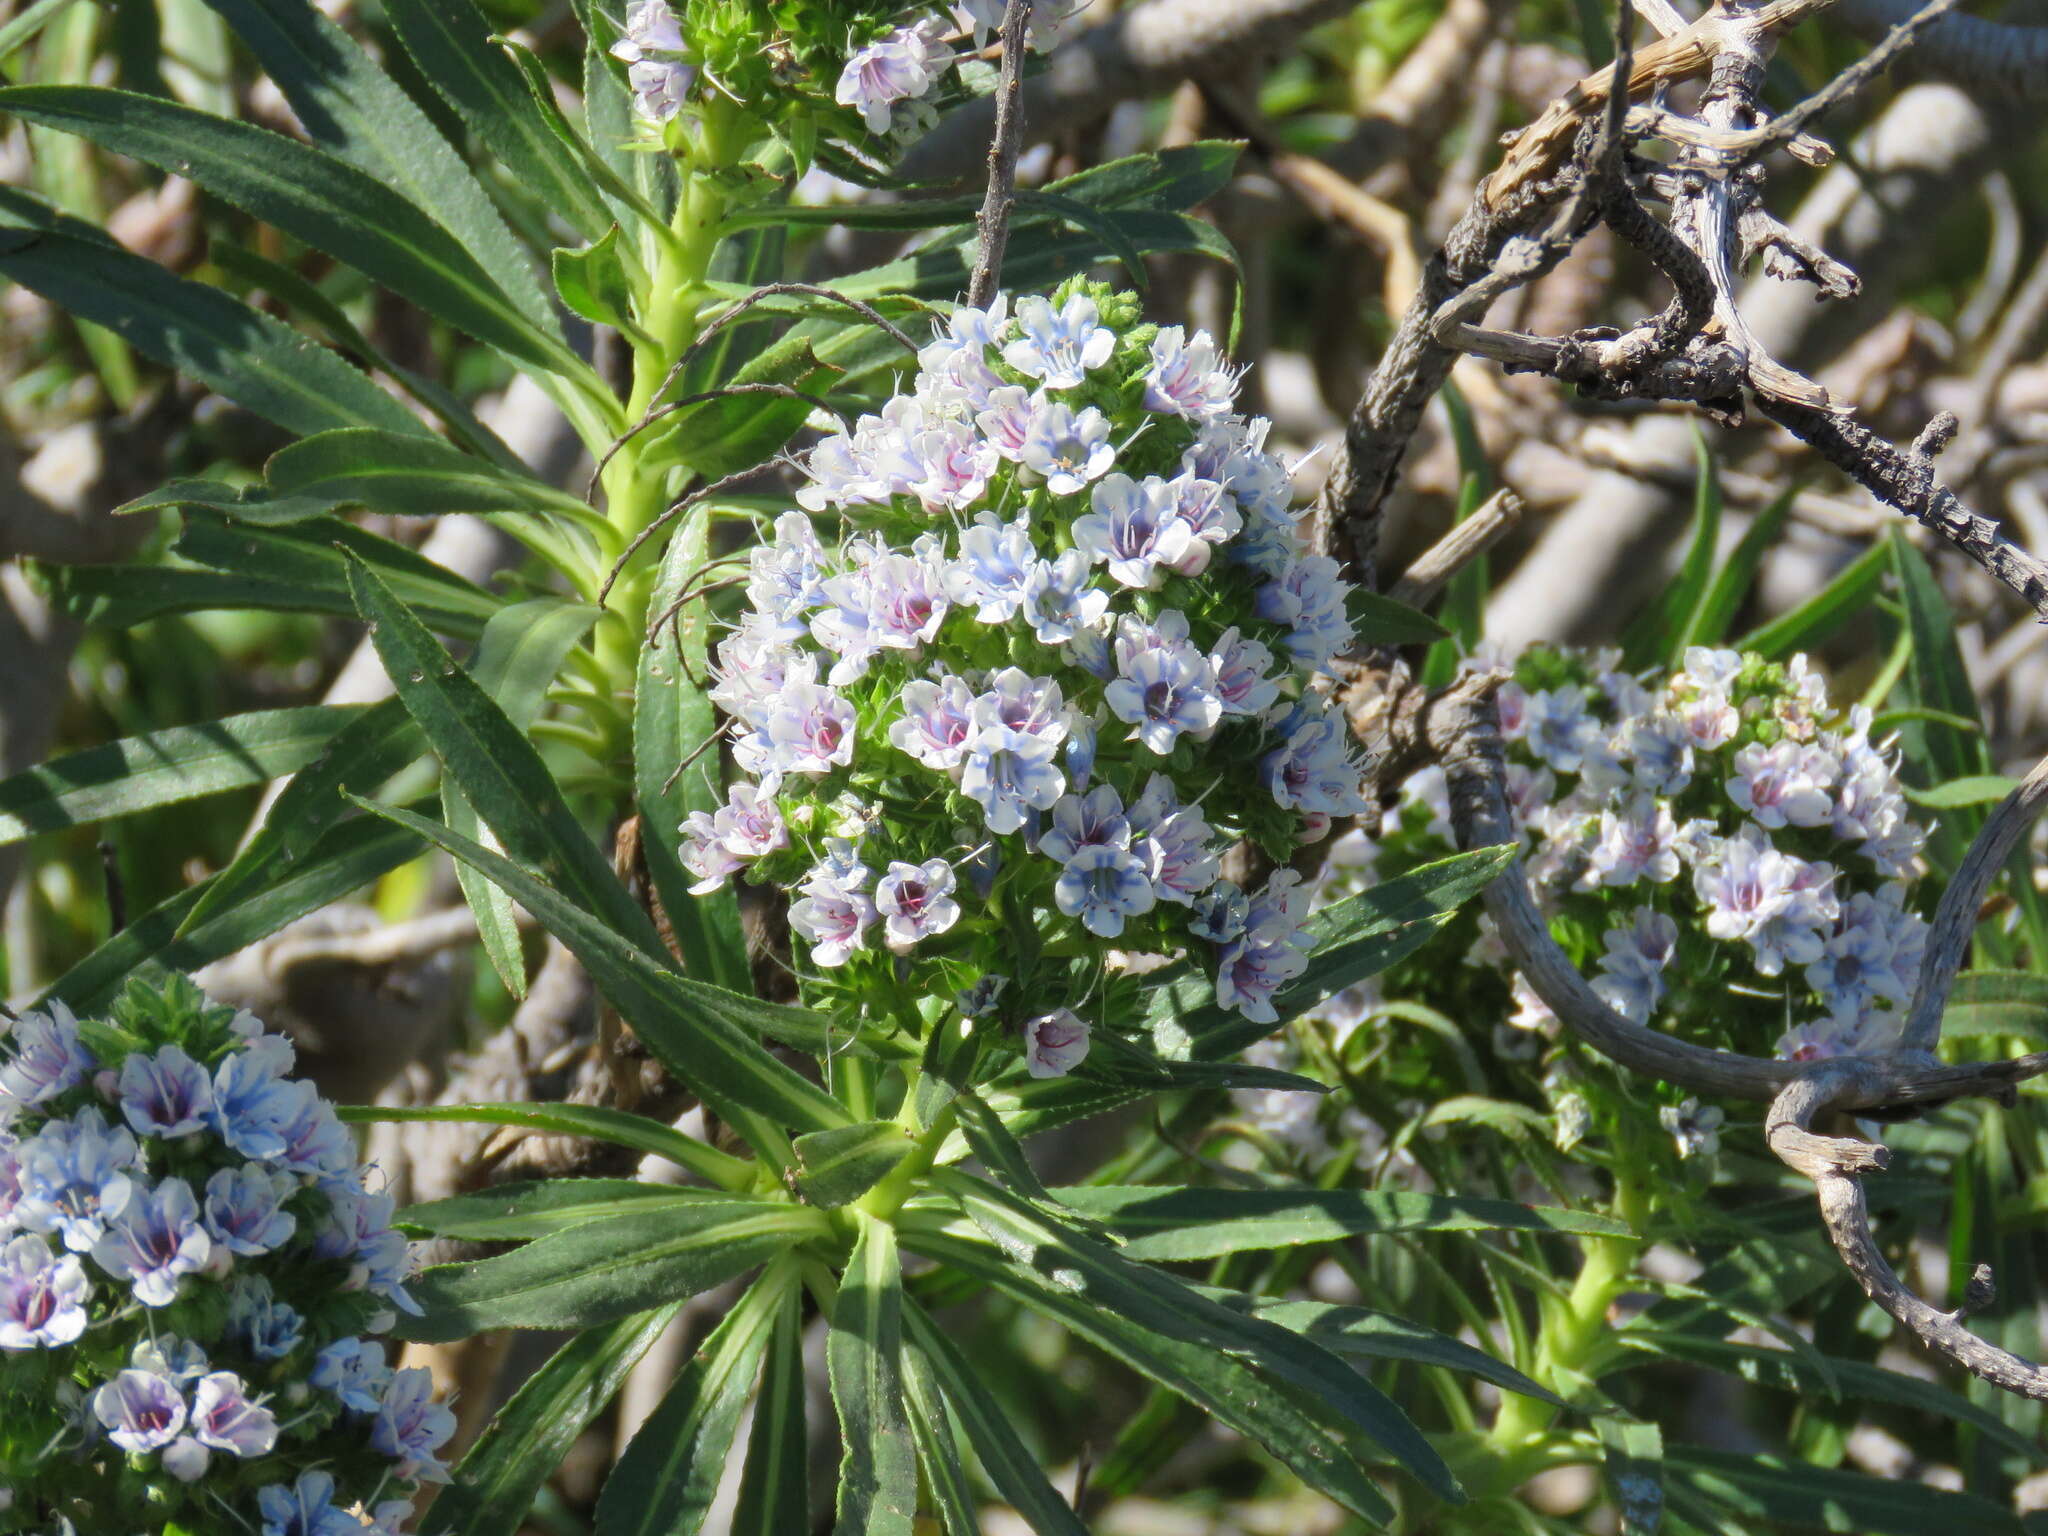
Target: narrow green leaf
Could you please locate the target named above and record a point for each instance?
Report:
(1823, 613)
(22, 28)
(775, 1486)
(878, 1466)
(403, 474)
(1292, 1426)
(666, 1481)
(540, 88)
(513, 1213)
(1936, 676)
(1013, 1469)
(686, 1024)
(674, 723)
(1378, 620)
(1689, 592)
(1115, 1280)
(938, 1449)
(601, 1270)
(310, 560)
(990, 1140)
(494, 763)
(451, 43)
(183, 762)
(838, 1166)
(352, 108)
(593, 1120)
(247, 356)
(339, 864)
(495, 1483)
(525, 645)
(308, 193)
(1175, 1222)
(1971, 789)
(1769, 1488)
(1358, 1333)
(365, 753)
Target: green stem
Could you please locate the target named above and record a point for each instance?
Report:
(887, 1197)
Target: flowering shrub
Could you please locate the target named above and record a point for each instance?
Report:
(1054, 664)
(1728, 857)
(190, 1264)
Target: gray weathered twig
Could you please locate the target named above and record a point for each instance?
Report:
(992, 224)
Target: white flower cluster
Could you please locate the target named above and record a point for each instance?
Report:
(904, 63)
(1721, 833)
(189, 1260)
(657, 58)
(1074, 676)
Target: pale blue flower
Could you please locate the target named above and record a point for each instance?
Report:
(1055, 1043)
(916, 902)
(1085, 821)
(1007, 420)
(74, 1178)
(354, 1371)
(1177, 856)
(1135, 528)
(1009, 773)
(40, 1057)
(1058, 602)
(1220, 913)
(785, 578)
(1067, 449)
(359, 1233)
(956, 462)
(1313, 770)
(811, 731)
(410, 1426)
(1013, 697)
(304, 1508)
(1250, 975)
(252, 1100)
(1240, 666)
(155, 1242)
(140, 1411)
(224, 1419)
(898, 66)
(1059, 347)
(907, 601)
(1082, 735)
(995, 565)
(245, 1211)
(1187, 377)
(1163, 694)
(937, 724)
(42, 1295)
(833, 922)
(979, 1000)
(1102, 885)
(165, 1094)
(266, 1327)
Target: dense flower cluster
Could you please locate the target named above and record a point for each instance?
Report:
(1736, 858)
(189, 1264)
(1052, 663)
(893, 58)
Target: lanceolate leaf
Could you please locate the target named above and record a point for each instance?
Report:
(1011, 1466)
(837, 1167)
(249, 357)
(1293, 1428)
(308, 193)
(775, 1487)
(877, 1467)
(938, 1448)
(666, 1481)
(593, 1120)
(512, 1460)
(164, 767)
(1112, 1280)
(514, 1213)
(1767, 1489)
(699, 1032)
(352, 108)
(494, 763)
(1171, 1223)
(451, 44)
(602, 1270)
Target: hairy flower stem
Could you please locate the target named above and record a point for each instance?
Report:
(1571, 1333)
(636, 493)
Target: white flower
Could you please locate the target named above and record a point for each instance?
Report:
(1059, 347)
(916, 902)
(937, 724)
(1637, 842)
(1164, 693)
(1058, 602)
(1135, 528)
(1067, 449)
(1694, 1126)
(1558, 728)
(1102, 885)
(1008, 418)
(1187, 378)
(1011, 773)
(834, 923)
(994, 570)
(898, 66)
(1633, 966)
(1784, 783)
(1055, 1043)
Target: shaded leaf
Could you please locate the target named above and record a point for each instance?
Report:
(877, 1467)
